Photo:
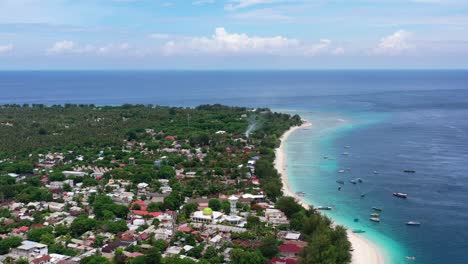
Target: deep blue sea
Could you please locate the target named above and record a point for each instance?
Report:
(391, 121)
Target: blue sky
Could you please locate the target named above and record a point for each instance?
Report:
(233, 34)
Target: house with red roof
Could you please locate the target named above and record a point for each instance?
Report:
(289, 250)
(282, 261)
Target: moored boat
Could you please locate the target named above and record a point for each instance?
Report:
(358, 231)
(375, 219)
(327, 208)
(413, 223)
(300, 193)
(377, 208)
(375, 215)
(400, 195)
(341, 171)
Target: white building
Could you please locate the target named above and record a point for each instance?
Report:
(30, 250)
(207, 216)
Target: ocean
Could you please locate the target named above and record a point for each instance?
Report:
(386, 121)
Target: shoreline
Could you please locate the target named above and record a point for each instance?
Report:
(364, 251)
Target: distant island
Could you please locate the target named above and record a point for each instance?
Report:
(153, 184)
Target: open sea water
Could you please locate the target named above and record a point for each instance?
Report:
(389, 120)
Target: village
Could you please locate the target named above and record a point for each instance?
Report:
(99, 207)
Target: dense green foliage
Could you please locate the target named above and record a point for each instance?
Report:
(327, 244)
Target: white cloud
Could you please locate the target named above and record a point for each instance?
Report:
(70, 47)
(338, 51)
(224, 43)
(202, 2)
(158, 36)
(6, 48)
(238, 4)
(61, 47)
(394, 44)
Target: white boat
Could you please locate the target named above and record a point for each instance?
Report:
(375, 219)
(400, 195)
(341, 171)
(413, 223)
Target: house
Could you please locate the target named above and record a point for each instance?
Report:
(45, 259)
(282, 261)
(292, 236)
(56, 207)
(276, 217)
(289, 250)
(30, 249)
(112, 246)
(74, 173)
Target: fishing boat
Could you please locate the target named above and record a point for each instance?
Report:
(358, 231)
(375, 215)
(375, 219)
(340, 181)
(413, 223)
(326, 208)
(409, 171)
(377, 208)
(400, 195)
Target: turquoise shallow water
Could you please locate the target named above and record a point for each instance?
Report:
(309, 172)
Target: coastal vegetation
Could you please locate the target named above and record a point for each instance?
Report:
(196, 154)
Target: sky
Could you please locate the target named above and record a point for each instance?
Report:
(233, 34)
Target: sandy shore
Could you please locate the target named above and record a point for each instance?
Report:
(364, 252)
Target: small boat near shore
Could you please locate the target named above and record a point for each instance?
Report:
(377, 209)
(375, 215)
(400, 195)
(300, 193)
(358, 231)
(375, 219)
(324, 208)
(413, 223)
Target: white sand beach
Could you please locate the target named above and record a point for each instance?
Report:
(364, 252)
